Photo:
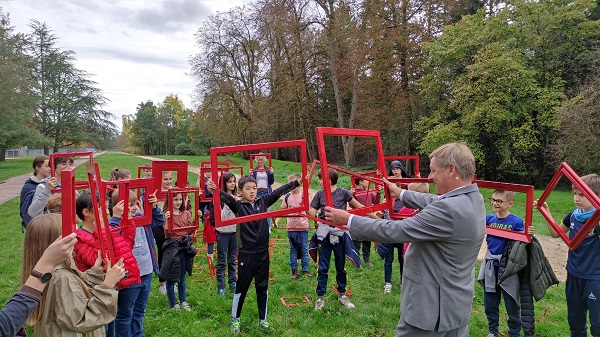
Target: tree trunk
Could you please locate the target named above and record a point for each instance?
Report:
(2, 154)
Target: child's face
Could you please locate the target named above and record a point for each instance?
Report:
(177, 201)
(320, 181)
(397, 172)
(230, 184)
(499, 203)
(148, 173)
(167, 180)
(364, 184)
(249, 191)
(581, 201)
(133, 208)
(44, 169)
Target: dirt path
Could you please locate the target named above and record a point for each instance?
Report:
(11, 187)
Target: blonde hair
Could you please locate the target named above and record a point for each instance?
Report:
(41, 232)
(54, 204)
(508, 195)
(419, 187)
(132, 197)
(293, 176)
(593, 182)
(456, 154)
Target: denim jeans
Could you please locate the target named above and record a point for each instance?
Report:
(491, 303)
(324, 261)
(227, 249)
(583, 296)
(294, 236)
(181, 286)
(388, 261)
(131, 308)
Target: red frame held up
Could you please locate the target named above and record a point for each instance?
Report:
(159, 166)
(321, 132)
(102, 225)
(69, 196)
(254, 155)
(203, 170)
(139, 183)
(528, 220)
(216, 151)
(78, 184)
(143, 168)
(195, 208)
(409, 157)
(567, 171)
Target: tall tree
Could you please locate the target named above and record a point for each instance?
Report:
(69, 103)
(144, 127)
(17, 101)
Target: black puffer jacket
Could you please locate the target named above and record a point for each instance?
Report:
(170, 269)
(535, 275)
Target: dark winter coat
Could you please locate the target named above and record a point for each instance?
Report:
(170, 269)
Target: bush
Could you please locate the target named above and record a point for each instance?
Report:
(185, 149)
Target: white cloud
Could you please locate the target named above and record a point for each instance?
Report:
(136, 50)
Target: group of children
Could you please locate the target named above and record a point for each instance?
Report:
(248, 242)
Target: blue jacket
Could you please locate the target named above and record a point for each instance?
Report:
(27, 193)
(270, 178)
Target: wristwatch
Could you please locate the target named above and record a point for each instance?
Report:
(43, 277)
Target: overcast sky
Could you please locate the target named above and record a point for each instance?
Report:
(137, 50)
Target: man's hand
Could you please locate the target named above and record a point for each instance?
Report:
(394, 189)
(336, 216)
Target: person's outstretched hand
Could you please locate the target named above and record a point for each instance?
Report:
(336, 216)
(394, 189)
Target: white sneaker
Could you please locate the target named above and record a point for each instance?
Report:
(346, 301)
(186, 306)
(319, 303)
(387, 288)
(163, 289)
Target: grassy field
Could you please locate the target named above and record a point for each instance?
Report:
(15, 167)
(376, 314)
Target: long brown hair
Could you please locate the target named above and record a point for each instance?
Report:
(41, 232)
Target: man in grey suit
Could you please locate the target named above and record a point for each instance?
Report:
(445, 237)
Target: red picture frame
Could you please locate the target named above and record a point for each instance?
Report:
(221, 169)
(143, 168)
(216, 151)
(404, 182)
(68, 196)
(78, 184)
(128, 184)
(415, 158)
(195, 208)
(97, 188)
(528, 220)
(254, 155)
(321, 132)
(565, 170)
(159, 166)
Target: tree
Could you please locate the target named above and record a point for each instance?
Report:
(144, 127)
(17, 101)
(69, 104)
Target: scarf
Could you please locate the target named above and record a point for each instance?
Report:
(582, 217)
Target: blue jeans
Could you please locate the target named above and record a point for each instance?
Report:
(339, 257)
(388, 261)
(227, 249)
(181, 286)
(131, 308)
(583, 295)
(302, 238)
(491, 302)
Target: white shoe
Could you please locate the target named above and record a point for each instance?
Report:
(163, 289)
(346, 301)
(387, 288)
(319, 303)
(186, 306)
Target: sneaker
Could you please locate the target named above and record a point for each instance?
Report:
(319, 303)
(235, 325)
(186, 306)
(369, 263)
(294, 274)
(307, 274)
(492, 335)
(176, 307)
(346, 301)
(163, 289)
(221, 292)
(232, 287)
(265, 325)
(387, 288)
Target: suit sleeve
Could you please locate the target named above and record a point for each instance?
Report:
(417, 200)
(434, 223)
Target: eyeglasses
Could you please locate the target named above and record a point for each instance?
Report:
(497, 201)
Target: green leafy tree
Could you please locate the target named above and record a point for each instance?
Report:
(144, 128)
(17, 101)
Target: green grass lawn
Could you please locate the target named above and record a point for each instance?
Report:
(15, 167)
(375, 315)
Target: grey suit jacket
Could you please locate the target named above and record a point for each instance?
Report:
(439, 266)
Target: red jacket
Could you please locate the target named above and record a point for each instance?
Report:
(86, 253)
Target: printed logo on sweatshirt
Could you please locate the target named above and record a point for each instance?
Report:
(592, 297)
